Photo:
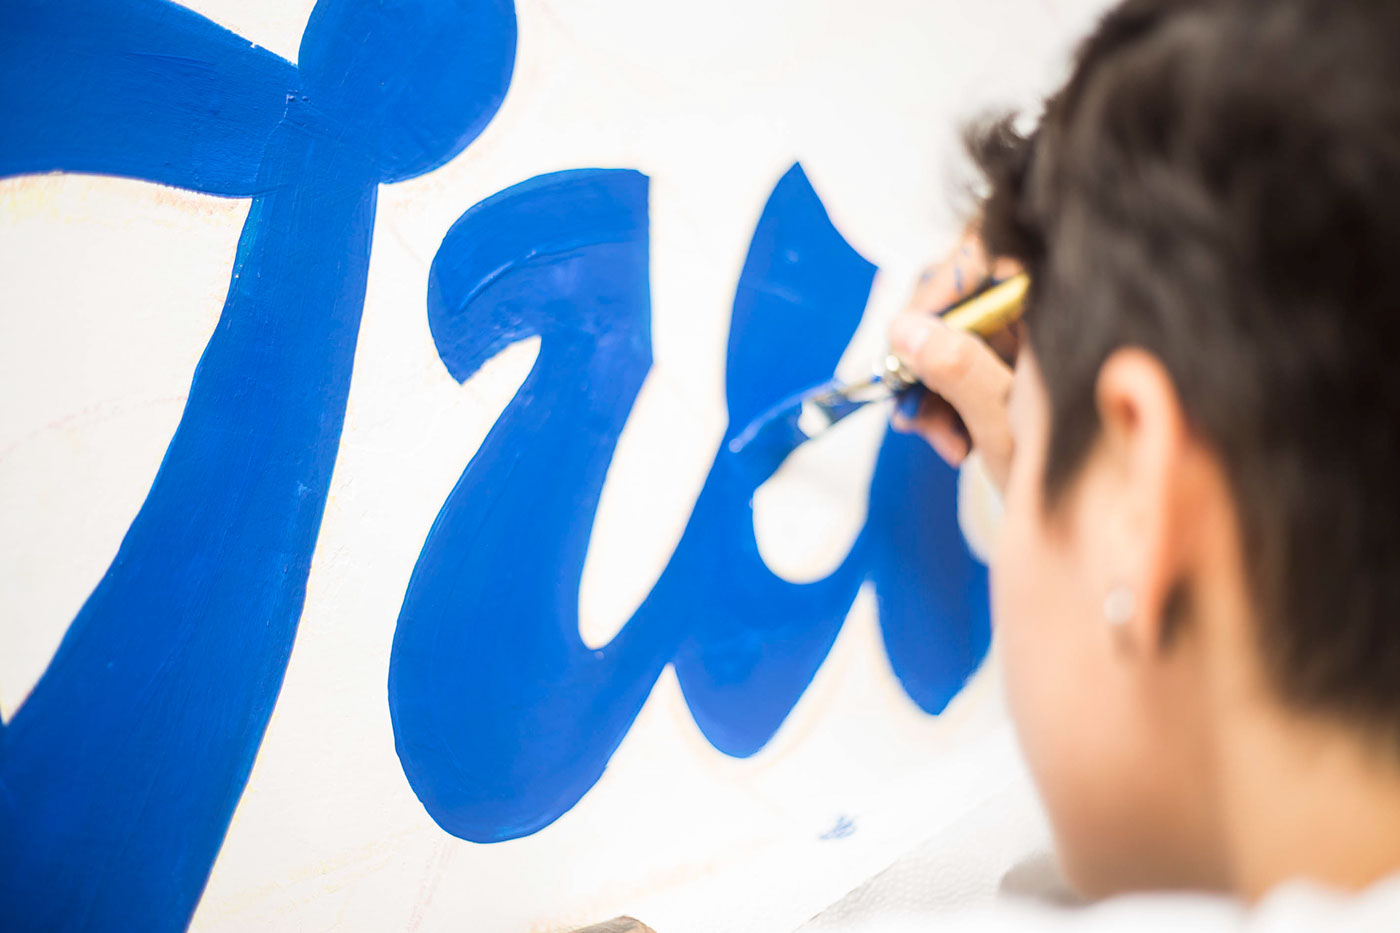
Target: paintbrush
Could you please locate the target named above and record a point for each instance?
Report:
(797, 419)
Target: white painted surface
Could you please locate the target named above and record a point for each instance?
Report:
(109, 289)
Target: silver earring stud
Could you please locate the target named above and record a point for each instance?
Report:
(1119, 606)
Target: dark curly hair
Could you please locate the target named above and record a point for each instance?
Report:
(1218, 184)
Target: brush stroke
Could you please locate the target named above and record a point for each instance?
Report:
(140, 88)
(122, 768)
(502, 717)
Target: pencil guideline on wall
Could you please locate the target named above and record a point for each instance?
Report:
(122, 768)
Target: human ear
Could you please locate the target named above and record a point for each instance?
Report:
(1143, 443)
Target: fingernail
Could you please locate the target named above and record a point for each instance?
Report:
(909, 332)
(907, 407)
(941, 447)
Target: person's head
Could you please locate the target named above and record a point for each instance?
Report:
(1203, 513)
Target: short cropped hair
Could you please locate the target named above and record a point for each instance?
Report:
(1218, 184)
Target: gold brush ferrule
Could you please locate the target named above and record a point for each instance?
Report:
(993, 310)
(983, 314)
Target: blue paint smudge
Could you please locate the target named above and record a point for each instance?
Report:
(122, 768)
(843, 828)
(502, 717)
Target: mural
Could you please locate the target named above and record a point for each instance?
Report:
(122, 768)
(502, 716)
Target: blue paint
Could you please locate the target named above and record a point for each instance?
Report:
(782, 418)
(489, 623)
(502, 717)
(122, 768)
(408, 83)
(777, 432)
(931, 593)
(752, 641)
(908, 402)
(120, 772)
(843, 828)
(141, 88)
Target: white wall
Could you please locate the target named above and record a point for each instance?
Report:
(713, 101)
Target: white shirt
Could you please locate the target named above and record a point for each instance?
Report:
(1291, 908)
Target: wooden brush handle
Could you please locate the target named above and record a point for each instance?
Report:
(617, 925)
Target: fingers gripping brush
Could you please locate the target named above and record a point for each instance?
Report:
(776, 433)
